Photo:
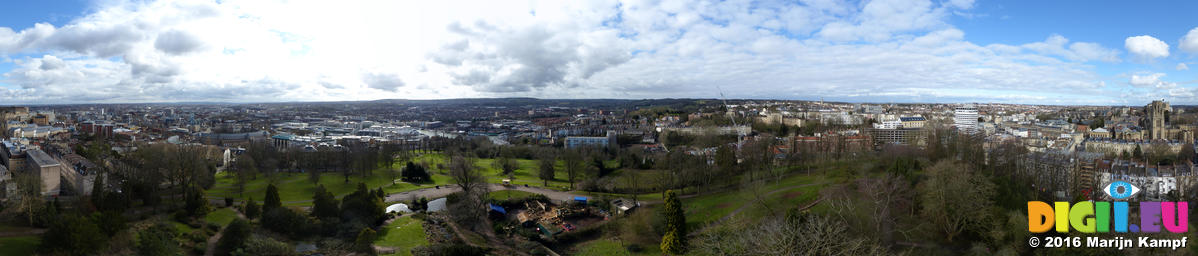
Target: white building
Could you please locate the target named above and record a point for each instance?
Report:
(965, 118)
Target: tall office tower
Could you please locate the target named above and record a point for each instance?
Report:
(965, 118)
(1156, 119)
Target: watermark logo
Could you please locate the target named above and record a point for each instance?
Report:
(1106, 217)
(1120, 190)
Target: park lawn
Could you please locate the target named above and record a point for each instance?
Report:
(782, 201)
(221, 216)
(296, 190)
(183, 229)
(403, 234)
(526, 174)
(601, 247)
(19, 245)
(509, 194)
(705, 209)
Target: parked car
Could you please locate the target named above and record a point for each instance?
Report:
(567, 227)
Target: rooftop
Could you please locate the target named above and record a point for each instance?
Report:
(40, 158)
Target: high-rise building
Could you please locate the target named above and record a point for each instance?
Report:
(965, 118)
(1156, 119)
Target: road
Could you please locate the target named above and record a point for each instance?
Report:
(434, 192)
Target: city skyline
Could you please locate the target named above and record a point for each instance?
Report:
(878, 51)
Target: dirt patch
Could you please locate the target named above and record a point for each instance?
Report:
(723, 205)
(792, 194)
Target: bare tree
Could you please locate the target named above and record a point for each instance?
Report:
(29, 191)
(464, 173)
(468, 209)
(574, 166)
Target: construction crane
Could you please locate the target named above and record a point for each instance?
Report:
(739, 134)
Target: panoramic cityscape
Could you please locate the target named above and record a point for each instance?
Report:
(884, 127)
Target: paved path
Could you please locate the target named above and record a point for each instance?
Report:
(434, 192)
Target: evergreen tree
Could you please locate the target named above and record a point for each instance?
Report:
(233, 237)
(324, 204)
(365, 240)
(1138, 153)
(251, 210)
(97, 196)
(674, 242)
(272, 198)
(196, 203)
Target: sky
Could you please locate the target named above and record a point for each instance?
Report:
(902, 51)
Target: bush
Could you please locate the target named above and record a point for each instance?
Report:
(251, 210)
(287, 221)
(449, 249)
(197, 237)
(214, 227)
(158, 240)
(365, 240)
(228, 201)
(73, 235)
(260, 245)
(233, 237)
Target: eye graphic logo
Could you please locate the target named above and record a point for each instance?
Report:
(1121, 190)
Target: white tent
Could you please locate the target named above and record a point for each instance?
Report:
(401, 208)
(437, 205)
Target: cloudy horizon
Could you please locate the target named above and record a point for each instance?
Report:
(901, 51)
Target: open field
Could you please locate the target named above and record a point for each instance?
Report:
(295, 189)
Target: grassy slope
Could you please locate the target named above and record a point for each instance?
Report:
(404, 234)
(601, 247)
(221, 216)
(19, 245)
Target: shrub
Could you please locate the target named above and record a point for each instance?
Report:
(365, 240)
(233, 237)
(158, 240)
(286, 221)
(260, 245)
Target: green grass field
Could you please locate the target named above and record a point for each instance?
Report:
(526, 174)
(221, 216)
(403, 234)
(601, 247)
(777, 195)
(19, 245)
(296, 190)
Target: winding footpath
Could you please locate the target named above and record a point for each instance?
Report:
(434, 192)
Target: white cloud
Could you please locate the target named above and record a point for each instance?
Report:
(1189, 42)
(1153, 79)
(256, 50)
(1146, 47)
(1182, 66)
(1079, 51)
